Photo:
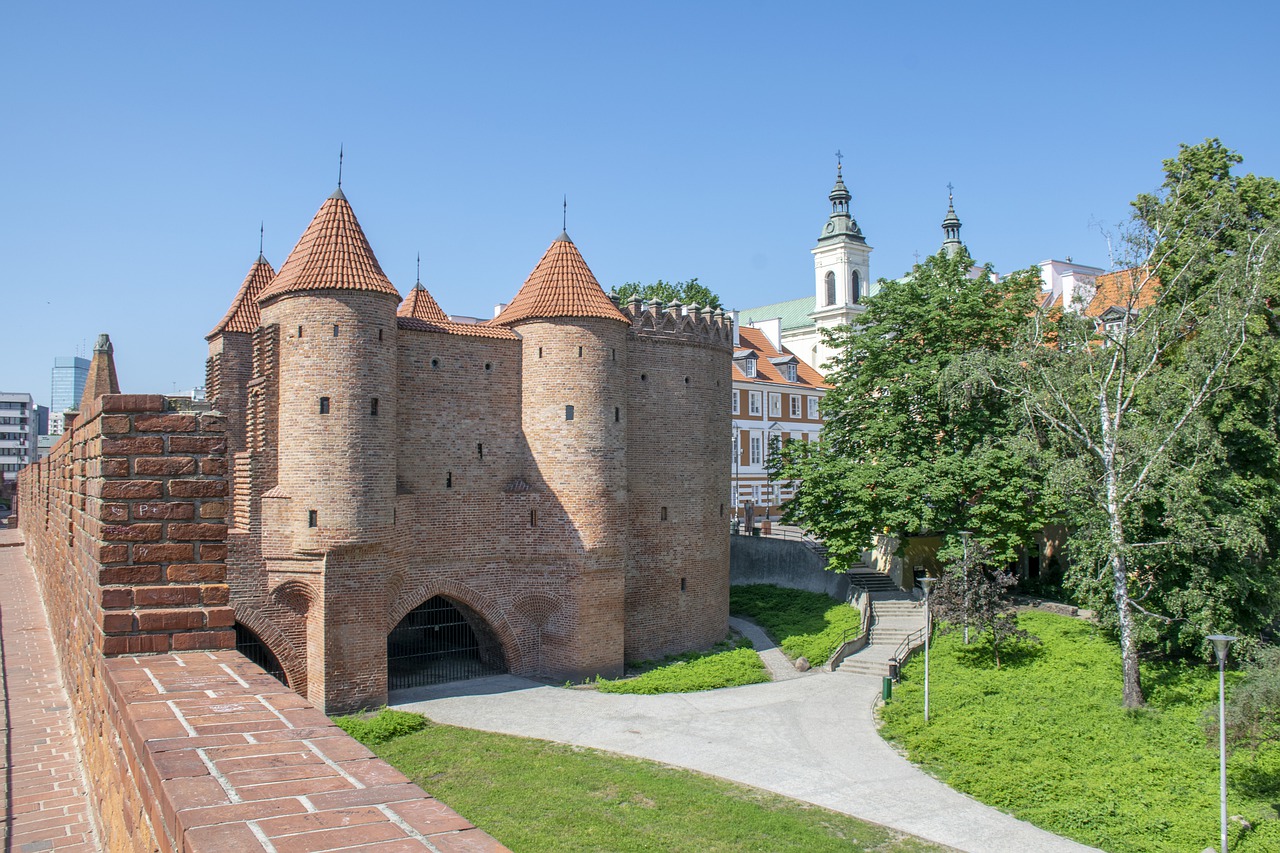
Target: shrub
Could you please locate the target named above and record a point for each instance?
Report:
(805, 624)
(381, 727)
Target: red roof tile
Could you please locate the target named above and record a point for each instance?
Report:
(332, 254)
(243, 315)
(766, 371)
(419, 305)
(449, 327)
(561, 285)
(1133, 289)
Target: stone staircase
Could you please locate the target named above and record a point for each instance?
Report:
(892, 621)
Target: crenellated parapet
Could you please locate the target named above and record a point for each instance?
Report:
(674, 320)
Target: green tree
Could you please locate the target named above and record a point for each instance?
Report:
(973, 592)
(686, 292)
(900, 452)
(1153, 419)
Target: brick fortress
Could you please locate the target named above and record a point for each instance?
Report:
(555, 477)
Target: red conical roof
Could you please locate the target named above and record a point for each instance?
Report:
(419, 305)
(561, 285)
(243, 315)
(332, 254)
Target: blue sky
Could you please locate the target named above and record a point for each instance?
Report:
(144, 143)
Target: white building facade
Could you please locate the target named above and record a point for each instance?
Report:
(19, 430)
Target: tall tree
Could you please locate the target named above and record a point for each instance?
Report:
(1146, 412)
(972, 591)
(901, 453)
(686, 292)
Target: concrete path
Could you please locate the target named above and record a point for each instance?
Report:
(812, 739)
(45, 802)
(775, 660)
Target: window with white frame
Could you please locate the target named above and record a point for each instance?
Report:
(789, 372)
(736, 451)
(795, 405)
(775, 405)
(756, 452)
(813, 408)
(753, 402)
(749, 368)
(755, 493)
(736, 401)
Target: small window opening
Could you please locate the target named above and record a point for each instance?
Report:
(299, 331)
(324, 405)
(448, 480)
(579, 352)
(664, 513)
(539, 352)
(617, 414)
(533, 518)
(686, 380)
(379, 334)
(613, 354)
(722, 510)
(435, 363)
(373, 407)
(313, 518)
(684, 584)
(480, 450)
(335, 330)
(568, 413)
(488, 365)
(643, 378)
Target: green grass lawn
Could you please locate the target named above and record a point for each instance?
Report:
(534, 795)
(693, 671)
(804, 624)
(1046, 739)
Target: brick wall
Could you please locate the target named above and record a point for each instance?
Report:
(184, 749)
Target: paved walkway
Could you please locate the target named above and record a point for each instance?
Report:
(45, 804)
(812, 739)
(775, 660)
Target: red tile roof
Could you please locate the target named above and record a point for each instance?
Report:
(243, 315)
(766, 371)
(561, 285)
(1134, 289)
(419, 305)
(449, 327)
(332, 254)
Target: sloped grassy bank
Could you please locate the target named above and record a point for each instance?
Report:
(1045, 738)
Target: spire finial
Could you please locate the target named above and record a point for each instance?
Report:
(839, 161)
(340, 165)
(950, 193)
(564, 216)
(419, 268)
(262, 233)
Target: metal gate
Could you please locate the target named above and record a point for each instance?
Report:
(248, 644)
(436, 643)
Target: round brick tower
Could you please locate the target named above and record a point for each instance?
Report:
(336, 313)
(574, 420)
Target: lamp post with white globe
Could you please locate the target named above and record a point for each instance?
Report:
(1221, 645)
(926, 583)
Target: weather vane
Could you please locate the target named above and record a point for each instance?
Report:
(339, 165)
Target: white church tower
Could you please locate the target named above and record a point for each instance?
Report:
(841, 270)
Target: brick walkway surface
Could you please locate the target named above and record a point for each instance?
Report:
(45, 801)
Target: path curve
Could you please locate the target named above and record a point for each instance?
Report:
(812, 739)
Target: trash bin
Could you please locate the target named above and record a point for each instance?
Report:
(893, 668)
(886, 688)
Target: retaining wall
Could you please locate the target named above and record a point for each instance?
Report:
(785, 563)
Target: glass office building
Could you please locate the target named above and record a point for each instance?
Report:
(69, 376)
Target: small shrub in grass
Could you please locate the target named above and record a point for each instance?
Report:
(707, 672)
(805, 624)
(381, 727)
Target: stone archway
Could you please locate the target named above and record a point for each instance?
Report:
(292, 664)
(441, 640)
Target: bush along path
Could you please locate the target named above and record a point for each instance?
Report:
(1045, 738)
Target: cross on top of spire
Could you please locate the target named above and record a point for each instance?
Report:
(839, 160)
(950, 191)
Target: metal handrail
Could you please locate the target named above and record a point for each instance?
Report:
(909, 643)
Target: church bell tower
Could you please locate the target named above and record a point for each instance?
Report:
(841, 266)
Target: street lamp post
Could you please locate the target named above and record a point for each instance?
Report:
(964, 535)
(1221, 645)
(926, 583)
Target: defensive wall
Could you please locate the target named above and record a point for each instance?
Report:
(187, 745)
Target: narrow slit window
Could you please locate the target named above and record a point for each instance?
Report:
(448, 480)
(335, 330)
(539, 352)
(613, 354)
(684, 584)
(664, 513)
(324, 405)
(373, 407)
(617, 414)
(722, 510)
(568, 413)
(299, 331)
(313, 518)
(480, 450)
(379, 334)
(533, 518)
(579, 352)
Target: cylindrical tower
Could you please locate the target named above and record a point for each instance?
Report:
(336, 313)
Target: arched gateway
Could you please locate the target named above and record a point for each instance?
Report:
(251, 646)
(441, 640)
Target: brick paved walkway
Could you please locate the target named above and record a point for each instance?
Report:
(45, 804)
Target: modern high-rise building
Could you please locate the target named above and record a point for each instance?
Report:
(18, 431)
(69, 375)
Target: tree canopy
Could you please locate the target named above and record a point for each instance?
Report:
(900, 453)
(686, 292)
